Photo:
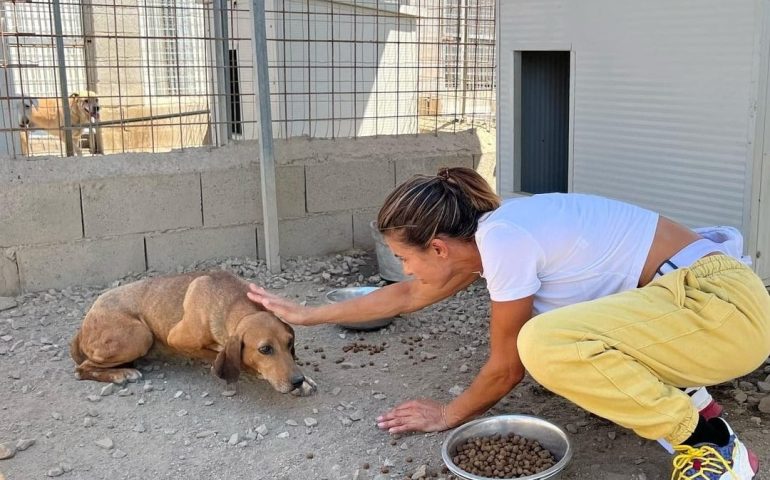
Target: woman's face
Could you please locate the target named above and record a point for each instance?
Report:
(431, 265)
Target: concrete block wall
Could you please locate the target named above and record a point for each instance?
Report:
(91, 220)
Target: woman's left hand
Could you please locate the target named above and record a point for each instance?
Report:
(422, 415)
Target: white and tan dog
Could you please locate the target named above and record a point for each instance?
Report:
(47, 114)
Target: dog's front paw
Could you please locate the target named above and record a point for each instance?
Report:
(308, 388)
(133, 375)
(121, 376)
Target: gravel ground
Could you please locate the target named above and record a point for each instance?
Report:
(181, 422)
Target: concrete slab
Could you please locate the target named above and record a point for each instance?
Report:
(39, 213)
(313, 235)
(231, 197)
(290, 191)
(234, 197)
(125, 205)
(9, 276)
(85, 262)
(348, 185)
(166, 251)
(362, 232)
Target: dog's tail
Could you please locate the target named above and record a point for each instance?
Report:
(75, 351)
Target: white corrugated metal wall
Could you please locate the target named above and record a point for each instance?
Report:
(663, 99)
(760, 241)
(339, 68)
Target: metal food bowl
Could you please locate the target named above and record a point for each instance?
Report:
(342, 294)
(546, 433)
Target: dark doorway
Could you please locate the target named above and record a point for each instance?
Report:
(544, 121)
(234, 82)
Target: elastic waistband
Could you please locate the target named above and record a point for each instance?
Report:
(712, 264)
(689, 255)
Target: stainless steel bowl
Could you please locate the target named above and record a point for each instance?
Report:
(342, 294)
(546, 433)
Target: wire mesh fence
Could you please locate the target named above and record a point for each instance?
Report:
(105, 76)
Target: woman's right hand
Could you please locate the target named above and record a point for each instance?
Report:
(286, 310)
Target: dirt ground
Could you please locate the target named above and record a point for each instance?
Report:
(180, 422)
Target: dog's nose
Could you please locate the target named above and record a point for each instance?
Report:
(297, 380)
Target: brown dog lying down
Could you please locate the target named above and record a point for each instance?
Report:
(204, 315)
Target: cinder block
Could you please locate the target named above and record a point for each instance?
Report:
(362, 232)
(121, 205)
(486, 165)
(9, 276)
(350, 185)
(234, 197)
(290, 190)
(166, 251)
(311, 236)
(429, 165)
(85, 262)
(231, 197)
(39, 213)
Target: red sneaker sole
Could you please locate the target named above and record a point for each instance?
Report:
(753, 461)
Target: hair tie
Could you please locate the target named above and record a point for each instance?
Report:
(443, 174)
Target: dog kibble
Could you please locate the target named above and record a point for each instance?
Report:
(357, 347)
(503, 456)
(309, 455)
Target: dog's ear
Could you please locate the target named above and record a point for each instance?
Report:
(227, 365)
(293, 338)
(29, 102)
(74, 95)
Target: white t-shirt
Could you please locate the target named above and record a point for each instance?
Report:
(563, 248)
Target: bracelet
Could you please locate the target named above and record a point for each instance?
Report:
(443, 417)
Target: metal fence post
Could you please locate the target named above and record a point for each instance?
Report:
(267, 158)
(222, 64)
(10, 106)
(65, 104)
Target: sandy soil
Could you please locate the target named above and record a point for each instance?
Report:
(181, 422)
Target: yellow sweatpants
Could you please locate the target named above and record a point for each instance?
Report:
(625, 356)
